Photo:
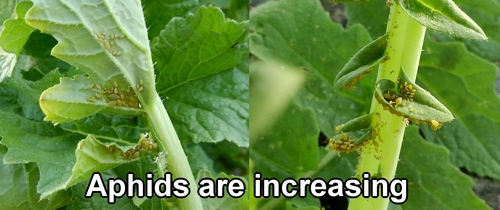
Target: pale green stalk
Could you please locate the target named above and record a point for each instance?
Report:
(381, 158)
(177, 161)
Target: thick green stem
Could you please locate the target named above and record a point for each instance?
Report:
(381, 157)
(177, 161)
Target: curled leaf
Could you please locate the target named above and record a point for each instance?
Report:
(76, 98)
(353, 134)
(408, 100)
(361, 63)
(443, 16)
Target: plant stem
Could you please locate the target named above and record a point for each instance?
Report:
(381, 157)
(177, 160)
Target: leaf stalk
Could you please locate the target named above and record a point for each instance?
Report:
(178, 163)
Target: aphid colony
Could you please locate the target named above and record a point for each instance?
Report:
(146, 144)
(344, 144)
(115, 96)
(407, 92)
(108, 43)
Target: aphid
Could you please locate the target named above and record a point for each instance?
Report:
(141, 82)
(122, 36)
(344, 136)
(411, 109)
(122, 96)
(97, 95)
(119, 102)
(98, 86)
(91, 99)
(114, 96)
(92, 85)
(115, 83)
(137, 86)
(112, 103)
(399, 101)
(111, 43)
(140, 89)
(136, 154)
(115, 91)
(107, 45)
(435, 125)
(155, 146)
(339, 127)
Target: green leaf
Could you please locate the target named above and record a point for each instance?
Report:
(18, 186)
(372, 14)
(466, 85)
(86, 42)
(7, 63)
(158, 13)
(96, 201)
(361, 63)
(318, 46)
(443, 16)
(16, 31)
(52, 148)
(353, 134)
(485, 14)
(185, 50)
(115, 128)
(420, 105)
(54, 151)
(21, 96)
(433, 179)
(272, 87)
(227, 202)
(204, 82)
(220, 111)
(6, 9)
(74, 98)
(296, 151)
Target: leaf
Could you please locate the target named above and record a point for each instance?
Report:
(54, 151)
(353, 134)
(484, 14)
(29, 141)
(115, 128)
(419, 106)
(296, 151)
(158, 13)
(7, 63)
(465, 84)
(373, 15)
(84, 41)
(318, 46)
(16, 31)
(20, 96)
(272, 87)
(19, 187)
(361, 63)
(204, 82)
(74, 98)
(96, 201)
(432, 178)
(443, 16)
(227, 202)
